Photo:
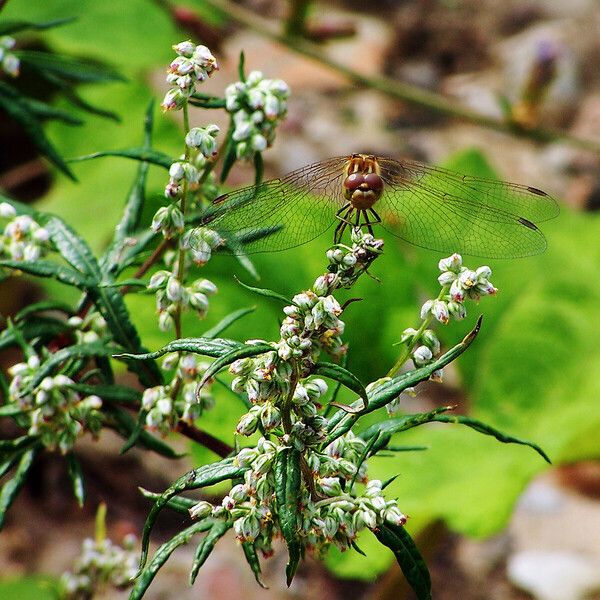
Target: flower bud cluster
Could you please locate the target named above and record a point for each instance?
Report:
(89, 329)
(330, 514)
(100, 563)
(8, 61)
(257, 105)
(346, 263)
(52, 410)
(193, 65)
(200, 242)
(169, 221)
(22, 239)
(172, 295)
(164, 411)
(463, 284)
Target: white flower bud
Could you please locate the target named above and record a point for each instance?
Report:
(174, 290)
(201, 509)
(422, 356)
(452, 263)
(426, 308)
(7, 211)
(184, 48)
(258, 143)
(165, 321)
(440, 311)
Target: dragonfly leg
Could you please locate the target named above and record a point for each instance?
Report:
(343, 214)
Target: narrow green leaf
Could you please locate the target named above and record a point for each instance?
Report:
(345, 377)
(13, 486)
(229, 153)
(227, 321)
(9, 27)
(265, 292)
(46, 268)
(206, 546)
(76, 476)
(11, 103)
(243, 351)
(181, 505)
(145, 577)
(488, 430)
(247, 264)
(241, 66)
(51, 364)
(45, 111)
(385, 429)
(135, 432)
(6, 465)
(43, 306)
(124, 423)
(17, 444)
(341, 423)
(254, 563)
(397, 539)
(133, 206)
(204, 346)
(120, 394)
(153, 157)
(201, 477)
(204, 101)
(44, 328)
(288, 477)
(67, 67)
(10, 410)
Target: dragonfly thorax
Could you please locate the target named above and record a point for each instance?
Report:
(363, 185)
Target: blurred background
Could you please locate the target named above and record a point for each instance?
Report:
(500, 89)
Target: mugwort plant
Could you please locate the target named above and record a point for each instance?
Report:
(297, 463)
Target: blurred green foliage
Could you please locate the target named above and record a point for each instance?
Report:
(532, 371)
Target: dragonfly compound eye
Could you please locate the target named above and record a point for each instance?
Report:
(374, 182)
(354, 181)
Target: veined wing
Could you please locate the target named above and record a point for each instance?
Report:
(442, 210)
(294, 209)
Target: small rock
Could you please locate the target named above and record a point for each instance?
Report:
(554, 575)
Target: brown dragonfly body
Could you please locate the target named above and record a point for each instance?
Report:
(426, 206)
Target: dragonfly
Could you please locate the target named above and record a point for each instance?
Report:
(424, 205)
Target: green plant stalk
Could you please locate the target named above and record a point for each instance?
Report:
(296, 21)
(397, 89)
(410, 347)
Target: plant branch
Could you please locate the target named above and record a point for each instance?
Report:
(394, 88)
(205, 439)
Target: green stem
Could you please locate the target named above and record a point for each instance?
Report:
(407, 350)
(286, 409)
(393, 88)
(296, 21)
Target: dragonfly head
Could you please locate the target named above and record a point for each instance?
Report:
(363, 185)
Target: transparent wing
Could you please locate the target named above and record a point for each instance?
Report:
(294, 209)
(442, 210)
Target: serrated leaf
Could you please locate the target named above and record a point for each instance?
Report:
(244, 351)
(206, 546)
(204, 346)
(145, 577)
(11, 102)
(76, 476)
(154, 157)
(264, 292)
(46, 268)
(288, 478)
(346, 378)
(227, 321)
(67, 67)
(35, 327)
(13, 486)
(201, 477)
(397, 539)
